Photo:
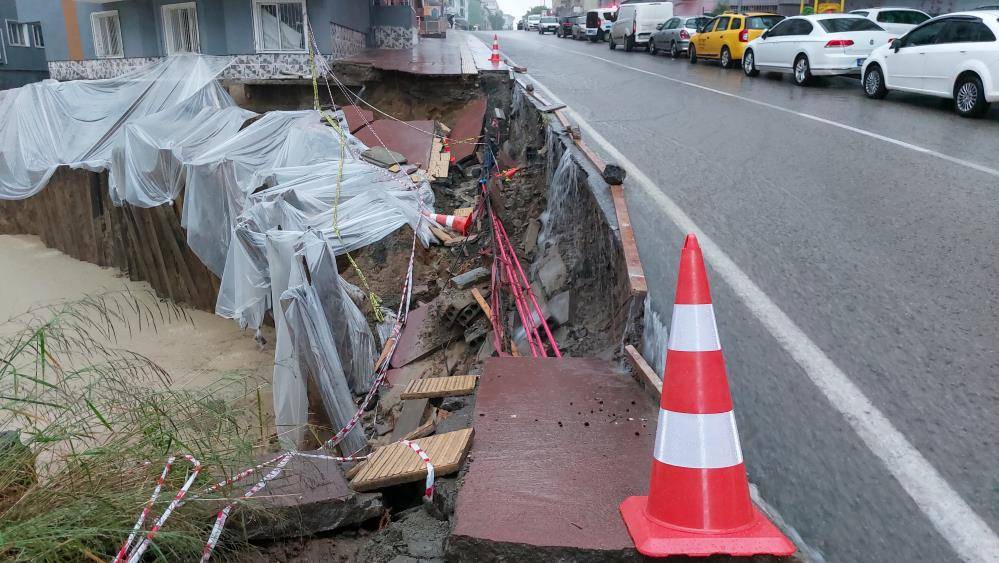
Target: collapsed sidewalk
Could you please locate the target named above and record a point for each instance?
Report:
(323, 223)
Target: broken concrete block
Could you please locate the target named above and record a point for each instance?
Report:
(558, 308)
(474, 171)
(381, 156)
(471, 277)
(614, 174)
(309, 497)
(531, 236)
(552, 273)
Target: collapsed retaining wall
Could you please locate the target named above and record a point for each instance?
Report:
(74, 214)
(580, 248)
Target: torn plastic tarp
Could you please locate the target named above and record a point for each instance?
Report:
(220, 180)
(48, 124)
(148, 159)
(331, 341)
(373, 203)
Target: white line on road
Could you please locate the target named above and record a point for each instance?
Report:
(960, 526)
(930, 152)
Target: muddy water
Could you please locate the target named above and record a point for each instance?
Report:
(195, 352)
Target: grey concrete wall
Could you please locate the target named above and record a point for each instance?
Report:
(393, 16)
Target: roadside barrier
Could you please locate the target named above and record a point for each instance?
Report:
(698, 502)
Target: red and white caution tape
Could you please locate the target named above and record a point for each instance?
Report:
(136, 554)
(429, 494)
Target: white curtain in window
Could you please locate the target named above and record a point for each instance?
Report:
(282, 26)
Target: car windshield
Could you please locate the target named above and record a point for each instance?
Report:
(695, 23)
(549, 20)
(839, 25)
(762, 22)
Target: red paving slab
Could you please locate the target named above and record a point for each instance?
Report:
(558, 445)
(413, 139)
(467, 128)
(357, 117)
(457, 54)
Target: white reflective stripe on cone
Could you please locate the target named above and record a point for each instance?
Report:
(698, 441)
(693, 329)
(449, 221)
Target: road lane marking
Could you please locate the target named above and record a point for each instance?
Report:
(923, 150)
(959, 525)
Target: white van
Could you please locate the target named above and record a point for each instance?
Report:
(636, 22)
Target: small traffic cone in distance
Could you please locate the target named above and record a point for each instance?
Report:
(455, 223)
(495, 57)
(698, 502)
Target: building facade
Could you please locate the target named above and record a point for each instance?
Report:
(268, 38)
(24, 40)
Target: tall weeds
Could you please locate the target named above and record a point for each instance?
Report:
(87, 427)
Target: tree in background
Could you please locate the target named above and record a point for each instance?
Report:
(497, 21)
(475, 13)
(536, 10)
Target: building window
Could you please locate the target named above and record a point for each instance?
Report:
(280, 26)
(17, 34)
(180, 28)
(36, 36)
(107, 34)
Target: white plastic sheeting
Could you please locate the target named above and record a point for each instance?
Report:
(330, 340)
(259, 206)
(49, 124)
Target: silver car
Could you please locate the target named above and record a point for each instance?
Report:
(673, 35)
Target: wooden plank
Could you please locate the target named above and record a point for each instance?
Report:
(462, 212)
(441, 234)
(409, 419)
(636, 272)
(482, 302)
(397, 463)
(643, 371)
(430, 387)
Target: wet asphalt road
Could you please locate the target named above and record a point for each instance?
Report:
(882, 253)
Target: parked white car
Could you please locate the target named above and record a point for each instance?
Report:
(894, 20)
(821, 44)
(532, 21)
(636, 22)
(954, 56)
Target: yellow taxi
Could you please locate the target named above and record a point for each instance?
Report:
(724, 38)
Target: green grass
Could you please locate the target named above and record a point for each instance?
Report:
(97, 424)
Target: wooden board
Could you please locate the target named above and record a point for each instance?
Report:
(395, 464)
(409, 419)
(430, 387)
(644, 372)
(462, 212)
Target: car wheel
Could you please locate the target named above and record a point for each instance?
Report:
(610, 41)
(673, 51)
(629, 43)
(802, 73)
(874, 83)
(692, 55)
(594, 39)
(652, 48)
(726, 58)
(969, 97)
(749, 63)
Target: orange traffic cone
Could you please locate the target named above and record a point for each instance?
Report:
(698, 501)
(495, 57)
(447, 149)
(453, 222)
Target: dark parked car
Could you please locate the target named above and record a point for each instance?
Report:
(520, 24)
(564, 27)
(579, 27)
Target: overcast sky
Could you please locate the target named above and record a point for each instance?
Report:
(518, 8)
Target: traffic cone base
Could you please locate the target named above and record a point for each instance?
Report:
(655, 539)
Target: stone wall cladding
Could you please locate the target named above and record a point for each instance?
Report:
(392, 37)
(96, 68)
(347, 42)
(256, 66)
